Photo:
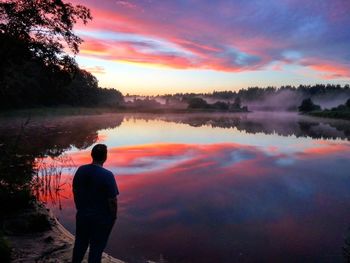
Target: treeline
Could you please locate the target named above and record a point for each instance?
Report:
(260, 93)
(201, 104)
(341, 111)
(256, 93)
(35, 69)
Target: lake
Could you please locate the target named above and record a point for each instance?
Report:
(257, 187)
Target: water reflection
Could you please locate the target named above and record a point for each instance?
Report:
(48, 184)
(24, 140)
(227, 202)
(207, 188)
(53, 135)
(56, 134)
(283, 124)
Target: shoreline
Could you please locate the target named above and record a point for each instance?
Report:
(62, 111)
(52, 245)
(78, 111)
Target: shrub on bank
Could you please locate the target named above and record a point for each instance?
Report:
(5, 250)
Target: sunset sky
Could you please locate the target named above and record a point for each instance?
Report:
(156, 47)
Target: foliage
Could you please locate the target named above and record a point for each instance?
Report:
(307, 106)
(332, 114)
(220, 105)
(45, 27)
(347, 103)
(346, 247)
(342, 111)
(237, 103)
(84, 91)
(35, 70)
(5, 250)
(143, 104)
(29, 221)
(16, 173)
(342, 107)
(284, 98)
(198, 103)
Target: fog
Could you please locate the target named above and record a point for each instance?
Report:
(289, 101)
(285, 100)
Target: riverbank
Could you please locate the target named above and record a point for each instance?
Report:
(77, 111)
(331, 114)
(50, 242)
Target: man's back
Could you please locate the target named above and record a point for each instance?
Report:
(95, 196)
(93, 186)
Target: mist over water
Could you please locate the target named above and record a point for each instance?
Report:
(209, 187)
(280, 100)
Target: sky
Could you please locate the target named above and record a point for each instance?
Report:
(150, 47)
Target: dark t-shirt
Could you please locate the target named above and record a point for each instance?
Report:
(93, 185)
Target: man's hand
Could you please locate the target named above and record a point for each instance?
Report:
(113, 207)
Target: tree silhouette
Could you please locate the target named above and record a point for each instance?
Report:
(45, 26)
(237, 103)
(35, 69)
(197, 103)
(307, 105)
(347, 103)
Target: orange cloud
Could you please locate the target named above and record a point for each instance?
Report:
(126, 51)
(330, 70)
(325, 149)
(195, 54)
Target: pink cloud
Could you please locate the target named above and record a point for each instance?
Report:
(222, 36)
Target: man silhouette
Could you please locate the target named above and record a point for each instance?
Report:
(95, 196)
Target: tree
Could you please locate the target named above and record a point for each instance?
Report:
(45, 27)
(197, 103)
(237, 103)
(347, 103)
(35, 69)
(307, 105)
(220, 105)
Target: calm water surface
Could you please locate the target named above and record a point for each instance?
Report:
(216, 188)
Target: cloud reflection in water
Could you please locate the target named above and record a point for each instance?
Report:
(225, 202)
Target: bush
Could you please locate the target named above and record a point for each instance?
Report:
(220, 105)
(347, 103)
(5, 250)
(13, 201)
(340, 108)
(307, 106)
(28, 222)
(198, 103)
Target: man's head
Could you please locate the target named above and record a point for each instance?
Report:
(99, 153)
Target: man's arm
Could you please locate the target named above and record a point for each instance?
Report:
(112, 191)
(75, 186)
(113, 206)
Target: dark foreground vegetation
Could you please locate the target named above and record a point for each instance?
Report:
(35, 69)
(23, 144)
(17, 171)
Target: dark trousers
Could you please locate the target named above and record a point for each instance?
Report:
(93, 232)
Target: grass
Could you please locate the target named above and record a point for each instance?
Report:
(345, 115)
